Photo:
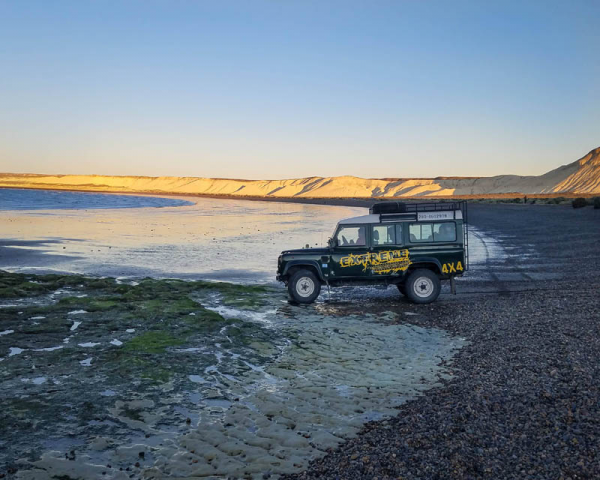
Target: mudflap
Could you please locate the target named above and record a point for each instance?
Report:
(453, 285)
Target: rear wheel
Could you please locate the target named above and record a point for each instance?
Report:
(423, 286)
(304, 286)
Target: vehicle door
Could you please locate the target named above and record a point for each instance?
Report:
(349, 258)
(389, 257)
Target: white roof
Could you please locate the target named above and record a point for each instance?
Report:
(362, 219)
(422, 216)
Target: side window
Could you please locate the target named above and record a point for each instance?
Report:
(399, 235)
(351, 236)
(444, 232)
(421, 232)
(383, 235)
(432, 232)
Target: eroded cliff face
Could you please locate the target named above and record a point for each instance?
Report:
(581, 176)
(585, 178)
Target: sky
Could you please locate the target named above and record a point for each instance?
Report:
(271, 89)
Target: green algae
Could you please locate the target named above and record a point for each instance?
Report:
(133, 365)
(152, 342)
(18, 285)
(175, 335)
(151, 296)
(91, 304)
(22, 289)
(133, 414)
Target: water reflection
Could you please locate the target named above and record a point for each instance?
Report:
(233, 240)
(28, 199)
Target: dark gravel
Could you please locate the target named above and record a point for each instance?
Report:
(525, 399)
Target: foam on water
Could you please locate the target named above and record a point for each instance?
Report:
(48, 349)
(230, 312)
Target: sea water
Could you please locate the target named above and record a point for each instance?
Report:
(137, 236)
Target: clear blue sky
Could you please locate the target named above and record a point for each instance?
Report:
(283, 89)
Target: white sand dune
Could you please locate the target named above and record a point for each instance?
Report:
(581, 176)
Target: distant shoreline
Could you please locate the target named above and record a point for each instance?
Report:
(343, 202)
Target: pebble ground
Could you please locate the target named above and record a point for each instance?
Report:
(525, 399)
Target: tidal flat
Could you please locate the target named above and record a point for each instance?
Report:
(103, 378)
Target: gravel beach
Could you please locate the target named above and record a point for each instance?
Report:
(498, 381)
(524, 401)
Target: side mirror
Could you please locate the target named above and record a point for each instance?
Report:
(331, 242)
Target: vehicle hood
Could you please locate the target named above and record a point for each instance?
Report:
(307, 251)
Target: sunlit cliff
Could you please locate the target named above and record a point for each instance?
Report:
(581, 176)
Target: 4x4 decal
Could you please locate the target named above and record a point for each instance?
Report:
(387, 261)
(452, 267)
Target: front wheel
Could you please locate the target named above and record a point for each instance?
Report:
(423, 286)
(304, 286)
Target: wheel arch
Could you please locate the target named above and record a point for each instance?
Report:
(294, 266)
(430, 263)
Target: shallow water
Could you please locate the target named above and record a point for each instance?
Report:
(233, 240)
(299, 381)
(25, 199)
(296, 382)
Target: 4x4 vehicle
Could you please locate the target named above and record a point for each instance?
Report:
(411, 245)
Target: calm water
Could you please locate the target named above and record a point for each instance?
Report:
(234, 240)
(23, 199)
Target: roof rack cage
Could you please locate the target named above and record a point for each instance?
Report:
(402, 207)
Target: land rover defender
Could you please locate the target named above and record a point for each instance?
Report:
(414, 246)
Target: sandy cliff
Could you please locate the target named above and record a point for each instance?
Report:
(581, 176)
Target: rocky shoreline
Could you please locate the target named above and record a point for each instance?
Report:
(522, 402)
(525, 398)
(115, 379)
(524, 405)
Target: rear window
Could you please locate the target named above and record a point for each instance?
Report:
(432, 232)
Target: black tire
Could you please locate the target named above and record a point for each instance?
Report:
(304, 286)
(401, 288)
(423, 286)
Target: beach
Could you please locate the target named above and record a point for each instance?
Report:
(523, 402)
(299, 241)
(189, 378)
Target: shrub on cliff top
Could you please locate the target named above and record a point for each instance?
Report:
(579, 203)
(596, 201)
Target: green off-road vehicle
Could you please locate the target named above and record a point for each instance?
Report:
(411, 245)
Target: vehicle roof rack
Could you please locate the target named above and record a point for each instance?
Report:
(404, 207)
